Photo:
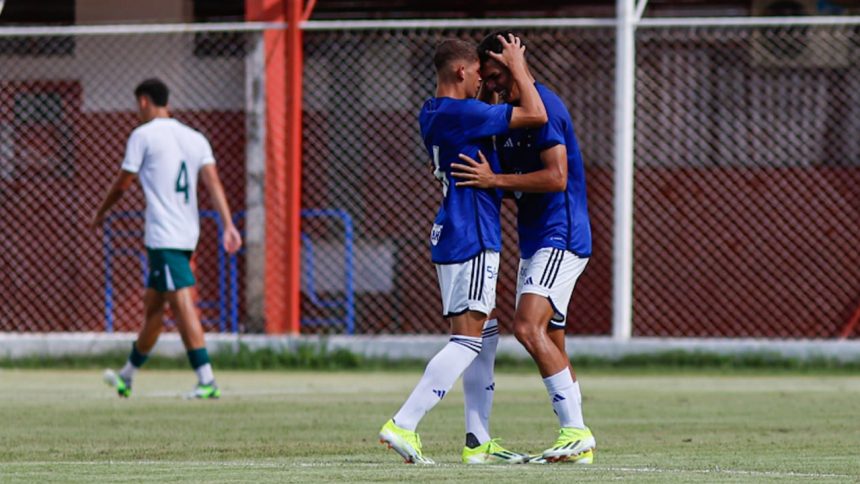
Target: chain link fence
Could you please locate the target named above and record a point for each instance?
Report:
(66, 110)
(363, 154)
(747, 178)
(747, 181)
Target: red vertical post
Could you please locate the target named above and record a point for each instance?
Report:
(295, 58)
(277, 218)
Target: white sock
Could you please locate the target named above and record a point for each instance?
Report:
(566, 399)
(204, 374)
(128, 371)
(479, 385)
(439, 376)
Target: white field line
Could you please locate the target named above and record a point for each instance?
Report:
(227, 393)
(275, 465)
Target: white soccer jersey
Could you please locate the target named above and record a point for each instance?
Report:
(167, 156)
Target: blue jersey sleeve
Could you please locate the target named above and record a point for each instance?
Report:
(481, 120)
(552, 133)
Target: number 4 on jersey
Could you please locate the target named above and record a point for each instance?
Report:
(438, 173)
(182, 181)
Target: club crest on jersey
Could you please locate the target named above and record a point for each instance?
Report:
(435, 233)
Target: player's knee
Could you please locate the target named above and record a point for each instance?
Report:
(527, 334)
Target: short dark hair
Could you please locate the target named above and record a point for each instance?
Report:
(154, 89)
(491, 43)
(450, 50)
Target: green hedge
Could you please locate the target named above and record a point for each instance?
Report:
(320, 357)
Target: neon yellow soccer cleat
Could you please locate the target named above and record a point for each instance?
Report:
(205, 392)
(404, 442)
(573, 445)
(123, 386)
(491, 452)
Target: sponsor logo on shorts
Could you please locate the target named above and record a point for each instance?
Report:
(435, 233)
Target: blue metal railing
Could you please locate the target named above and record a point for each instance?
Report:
(228, 270)
(348, 302)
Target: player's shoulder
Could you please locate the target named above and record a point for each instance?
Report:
(143, 129)
(142, 133)
(190, 133)
(447, 105)
(555, 106)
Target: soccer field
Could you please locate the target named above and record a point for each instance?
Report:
(66, 426)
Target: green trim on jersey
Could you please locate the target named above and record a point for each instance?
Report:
(169, 269)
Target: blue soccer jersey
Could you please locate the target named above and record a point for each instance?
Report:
(560, 219)
(468, 220)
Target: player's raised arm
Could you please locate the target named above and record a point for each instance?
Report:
(209, 175)
(122, 183)
(531, 112)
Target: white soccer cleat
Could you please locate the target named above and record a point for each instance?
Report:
(122, 386)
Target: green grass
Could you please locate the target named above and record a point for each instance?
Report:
(66, 426)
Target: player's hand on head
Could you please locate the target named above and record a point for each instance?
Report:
(513, 52)
(232, 240)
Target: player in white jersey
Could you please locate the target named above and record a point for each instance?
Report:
(168, 157)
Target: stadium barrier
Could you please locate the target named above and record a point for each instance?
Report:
(746, 172)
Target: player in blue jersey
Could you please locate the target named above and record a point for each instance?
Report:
(544, 170)
(465, 243)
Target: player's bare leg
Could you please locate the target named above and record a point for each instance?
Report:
(153, 307)
(153, 304)
(188, 322)
(556, 334)
(575, 442)
(530, 328)
(470, 323)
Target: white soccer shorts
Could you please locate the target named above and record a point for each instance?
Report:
(551, 273)
(470, 285)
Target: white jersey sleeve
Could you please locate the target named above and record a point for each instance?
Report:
(206, 156)
(135, 151)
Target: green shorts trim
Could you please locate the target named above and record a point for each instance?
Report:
(169, 269)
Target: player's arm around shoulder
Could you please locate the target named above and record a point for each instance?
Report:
(210, 178)
(551, 178)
